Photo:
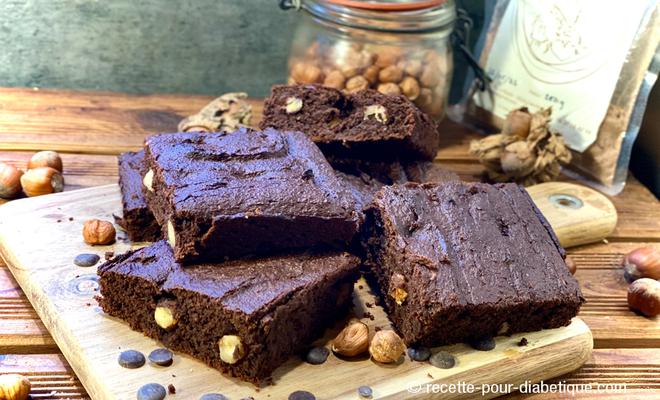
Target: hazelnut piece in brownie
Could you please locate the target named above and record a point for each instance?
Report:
(243, 317)
(224, 195)
(137, 219)
(362, 125)
(455, 262)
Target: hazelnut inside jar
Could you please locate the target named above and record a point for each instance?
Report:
(397, 48)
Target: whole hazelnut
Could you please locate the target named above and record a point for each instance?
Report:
(387, 56)
(410, 87)
(43, 180)
(437, 105)
(98, 232)
(412, 67)
(349, 69)
(430, 76)
(371, 74)
(517, 123)
(356, 84)
(366, 59)
(424, 99)
(46, 159)
(352, 340)
(643, 262)
(386, 347)
(644, 296)
(390, 73)
(391, 89)
(306, 72)
(14, 387)
(335, 79)
(10, 181)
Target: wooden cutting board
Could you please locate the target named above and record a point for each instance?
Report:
(39, 237)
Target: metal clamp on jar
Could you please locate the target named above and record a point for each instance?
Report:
(394, 47)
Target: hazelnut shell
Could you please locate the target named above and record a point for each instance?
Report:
(42, 180)
(46, 159)
(644, 296)
(10, 181)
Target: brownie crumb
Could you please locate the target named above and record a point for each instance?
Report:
(59, 220)
(70, 218)
(378, 328)
(108, 255)
(360, 287)
(369, 315)
(171, 389)
(368, 304)
(523, 342)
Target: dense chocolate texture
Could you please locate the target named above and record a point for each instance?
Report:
(338, 124)
(276, 306)
(365, 178)
(247, 192)
(469, 260)
(137, 219)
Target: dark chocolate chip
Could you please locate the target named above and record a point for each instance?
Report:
(162, 357)
(484, 344)
(419, 353)
(214, 396)
(443, 360)
(151, 391)
(86, 260)
(317, 355)
(171, 389)
(131, 359)
(523, 342)
(365, 392)
(301, 395)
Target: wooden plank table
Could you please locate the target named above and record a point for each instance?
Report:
(91, 128)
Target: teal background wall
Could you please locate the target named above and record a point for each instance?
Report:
(200, 46)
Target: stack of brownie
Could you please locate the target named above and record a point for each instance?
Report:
(254, 232)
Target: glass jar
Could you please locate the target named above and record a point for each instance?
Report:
(391, 46)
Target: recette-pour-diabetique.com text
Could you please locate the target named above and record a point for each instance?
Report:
(526, 387)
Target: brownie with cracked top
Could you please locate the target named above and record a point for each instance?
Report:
(137, 220)
(243, 317)
(460, 261)
(225, 195)
(362, 125)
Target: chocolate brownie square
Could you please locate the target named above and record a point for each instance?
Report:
(243, 317)
(456, 262)
(362, 125)
(137, 220)
(225, 195)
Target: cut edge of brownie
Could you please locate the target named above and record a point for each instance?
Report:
(137, 219)
(133, 284)
(454, 319)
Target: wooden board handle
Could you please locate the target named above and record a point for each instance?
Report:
(577, 214)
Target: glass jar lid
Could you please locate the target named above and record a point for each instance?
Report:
(382, 15)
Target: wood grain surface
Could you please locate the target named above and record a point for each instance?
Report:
(35, 120)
